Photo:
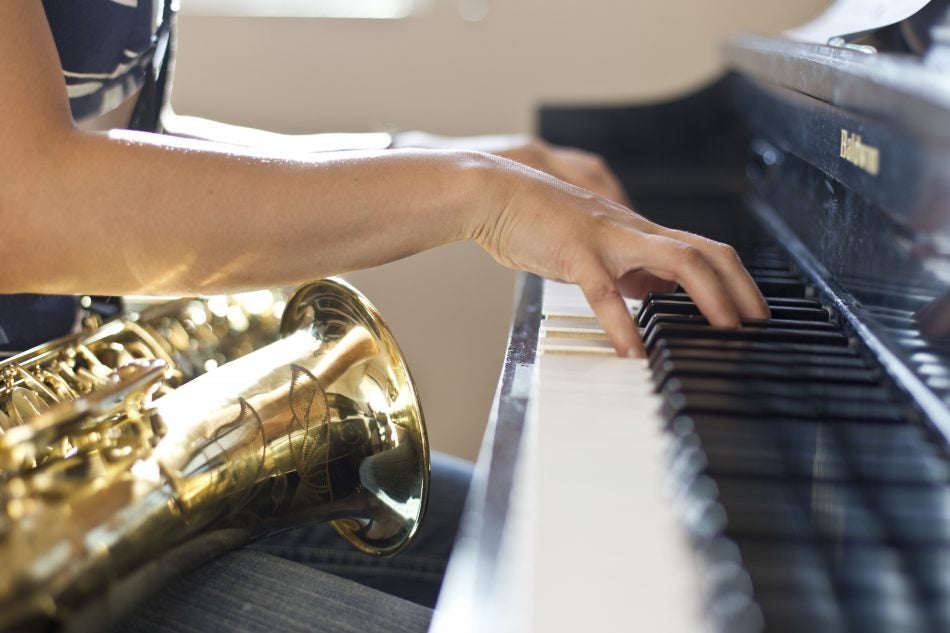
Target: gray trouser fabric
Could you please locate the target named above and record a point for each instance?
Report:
(309, 579)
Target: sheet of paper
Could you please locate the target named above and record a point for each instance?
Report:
(849, 17)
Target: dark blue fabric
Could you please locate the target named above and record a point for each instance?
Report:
(305, 580)
(29, 320)
(105, 48)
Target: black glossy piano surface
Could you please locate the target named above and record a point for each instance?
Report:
(811, 457)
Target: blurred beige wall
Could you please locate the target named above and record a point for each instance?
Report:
(450, 308)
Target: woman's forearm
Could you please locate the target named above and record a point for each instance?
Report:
(209, 130)
(134, 212)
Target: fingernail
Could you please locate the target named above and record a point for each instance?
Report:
(634, 352)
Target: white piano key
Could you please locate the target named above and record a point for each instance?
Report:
(571, 326)
(567, 300)
(593, 541)
(587, 345)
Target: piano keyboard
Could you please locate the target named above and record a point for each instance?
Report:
(761, 478)
(596, 485)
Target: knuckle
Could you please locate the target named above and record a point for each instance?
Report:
(727, 252)
(604, 222)
(688, 257)
(598, 163)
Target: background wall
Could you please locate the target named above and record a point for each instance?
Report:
(450, 307)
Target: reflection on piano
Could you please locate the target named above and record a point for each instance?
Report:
(792, 475)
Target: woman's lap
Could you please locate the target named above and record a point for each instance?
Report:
(303, 579)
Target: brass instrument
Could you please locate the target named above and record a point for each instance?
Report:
(113, 478)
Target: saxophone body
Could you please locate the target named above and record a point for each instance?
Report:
(118, 472)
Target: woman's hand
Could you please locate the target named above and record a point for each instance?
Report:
(578, 167)
(561, 231)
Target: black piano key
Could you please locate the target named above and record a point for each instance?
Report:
(765, 407)
(813, 453)
(747, 334)
(871, 613)
(778, 326)
(702, 425)
(792, 302)
(900, 468)
(682, 308)
(901, 454)
(785, 437)
(809, 390)
(877, 592)
(666, 369)
(758, 259)
(838, 512)
(777, 357)
(771, 460)
(726, 454)
(915, 514)
(775, 269)
(771, 324)
(720, 453)
(887, 453)
(780, 287)
(762, 509)
(776, 348)
(792, 586)
(867, 568)
(930, 568)
(867, 452)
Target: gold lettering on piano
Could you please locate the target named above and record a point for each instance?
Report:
(856, 152)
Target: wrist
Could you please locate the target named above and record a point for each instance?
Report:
(489, 184)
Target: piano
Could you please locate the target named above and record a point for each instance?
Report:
(792, 475)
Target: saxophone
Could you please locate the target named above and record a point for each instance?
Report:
(121, 467)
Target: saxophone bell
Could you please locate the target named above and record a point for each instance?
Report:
(321, 425)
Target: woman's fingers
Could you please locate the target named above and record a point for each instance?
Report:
(586, 170)
(580, 168)
(662, 258)
(557, 230)
(640, 283)
(600, 290)
(723, 259)
(687, 265)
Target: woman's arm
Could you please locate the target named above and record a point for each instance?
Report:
(584, 169)
(578, 167)
(133, 212)
(193, 127)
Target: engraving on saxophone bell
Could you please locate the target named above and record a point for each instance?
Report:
(858, 153)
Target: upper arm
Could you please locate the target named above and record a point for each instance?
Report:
(32, 91)
(34, 108)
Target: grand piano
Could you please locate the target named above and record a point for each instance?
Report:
(792, 475)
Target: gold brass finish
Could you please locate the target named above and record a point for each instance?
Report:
(117, 485)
